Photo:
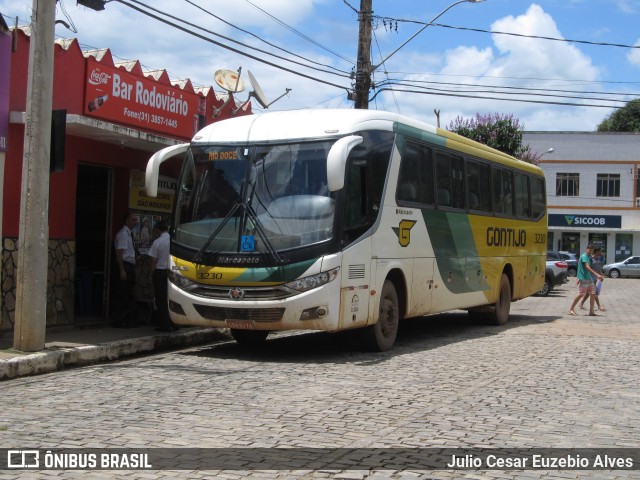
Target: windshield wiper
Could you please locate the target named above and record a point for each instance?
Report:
(248, 210)
(212, 237)
(262, 234)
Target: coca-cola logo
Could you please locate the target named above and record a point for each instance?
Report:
(96, 77)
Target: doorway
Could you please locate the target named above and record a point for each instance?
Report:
(570, 242)
(93, 217)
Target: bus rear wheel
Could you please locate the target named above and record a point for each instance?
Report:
(382, 335)
(500, 315)
(249, 338)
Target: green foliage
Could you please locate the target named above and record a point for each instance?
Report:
(625, 119)
(502, 132)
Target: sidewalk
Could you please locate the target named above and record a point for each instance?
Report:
(76, 347)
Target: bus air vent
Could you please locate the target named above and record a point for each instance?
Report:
(356, 271)
(256, 314)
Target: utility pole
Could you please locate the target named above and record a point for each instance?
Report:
(363, 71)
(33, 238)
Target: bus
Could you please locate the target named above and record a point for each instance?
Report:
(339, 219)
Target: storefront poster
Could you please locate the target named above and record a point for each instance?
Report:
(138, 199)
(149, 210)
(116, 95)
(5, 68)
(144, 233)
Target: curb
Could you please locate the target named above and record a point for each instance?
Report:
(55, 359)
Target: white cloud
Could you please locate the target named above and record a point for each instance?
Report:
(514, 61)
(634, 55)
(529, 57)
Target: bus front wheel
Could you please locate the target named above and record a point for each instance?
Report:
(382, 335)
(500, 315)
(249, 338)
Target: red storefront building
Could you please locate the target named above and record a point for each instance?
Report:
(110, 118)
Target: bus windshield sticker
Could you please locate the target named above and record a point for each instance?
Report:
(248, 243)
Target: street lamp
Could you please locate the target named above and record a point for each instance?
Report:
(551, 150)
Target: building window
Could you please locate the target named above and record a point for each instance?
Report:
(567, 184)
(608, 185)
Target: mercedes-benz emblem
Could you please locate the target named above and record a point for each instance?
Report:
(236, 294)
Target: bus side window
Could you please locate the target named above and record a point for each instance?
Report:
(522, 195)
(538, 198)
(415, 180)
(473, 185)
(484, 172)
(457, 182)
(503, 191)
(407, 190)
(443, 179)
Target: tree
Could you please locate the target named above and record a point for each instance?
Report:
(502, 132)
(625, 119)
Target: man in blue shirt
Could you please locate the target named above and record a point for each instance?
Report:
(586, 274)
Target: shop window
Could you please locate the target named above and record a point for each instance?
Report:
(567, 184)
(623, 246)
(608, 185)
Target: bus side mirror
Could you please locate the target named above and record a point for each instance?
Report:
(337, 161)
(153, 166)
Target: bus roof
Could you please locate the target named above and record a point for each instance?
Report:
(297, 124)
(330, 123)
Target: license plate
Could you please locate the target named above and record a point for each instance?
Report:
(241, 324)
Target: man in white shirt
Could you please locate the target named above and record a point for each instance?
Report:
(159, 253)
(126, 312)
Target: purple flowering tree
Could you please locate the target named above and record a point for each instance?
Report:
(502, 132)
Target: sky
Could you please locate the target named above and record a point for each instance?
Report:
(587, 59)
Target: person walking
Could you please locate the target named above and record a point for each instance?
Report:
(597, 262)
(159, 253)
(585, 276)
(126, 312)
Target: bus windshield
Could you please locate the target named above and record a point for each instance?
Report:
(255, 200)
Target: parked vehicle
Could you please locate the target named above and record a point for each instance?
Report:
(627, 268)
(555, 273)
(572, 262)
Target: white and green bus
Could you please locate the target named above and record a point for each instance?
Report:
(340, 219)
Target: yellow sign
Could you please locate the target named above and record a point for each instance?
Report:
(138, 199)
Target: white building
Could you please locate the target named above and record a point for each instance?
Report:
(593, 192)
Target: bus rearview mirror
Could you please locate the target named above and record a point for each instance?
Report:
(337, 160)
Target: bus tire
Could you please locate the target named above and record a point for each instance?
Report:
(500, 315)
(249, 338)
(382, 335)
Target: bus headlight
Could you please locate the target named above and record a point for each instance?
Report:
(313, 281)
(180, 281)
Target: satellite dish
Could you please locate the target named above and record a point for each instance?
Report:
(229, 80)
(257, 91)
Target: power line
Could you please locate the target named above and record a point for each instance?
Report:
(531, 94)
(262, 39)
(539, 37)
(477, 97)
(227, 47)
(494, 32)
(300, 34)
(344, 74)
(506, 87)
(572, 80)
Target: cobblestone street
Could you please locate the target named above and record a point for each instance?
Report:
(545, 380)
